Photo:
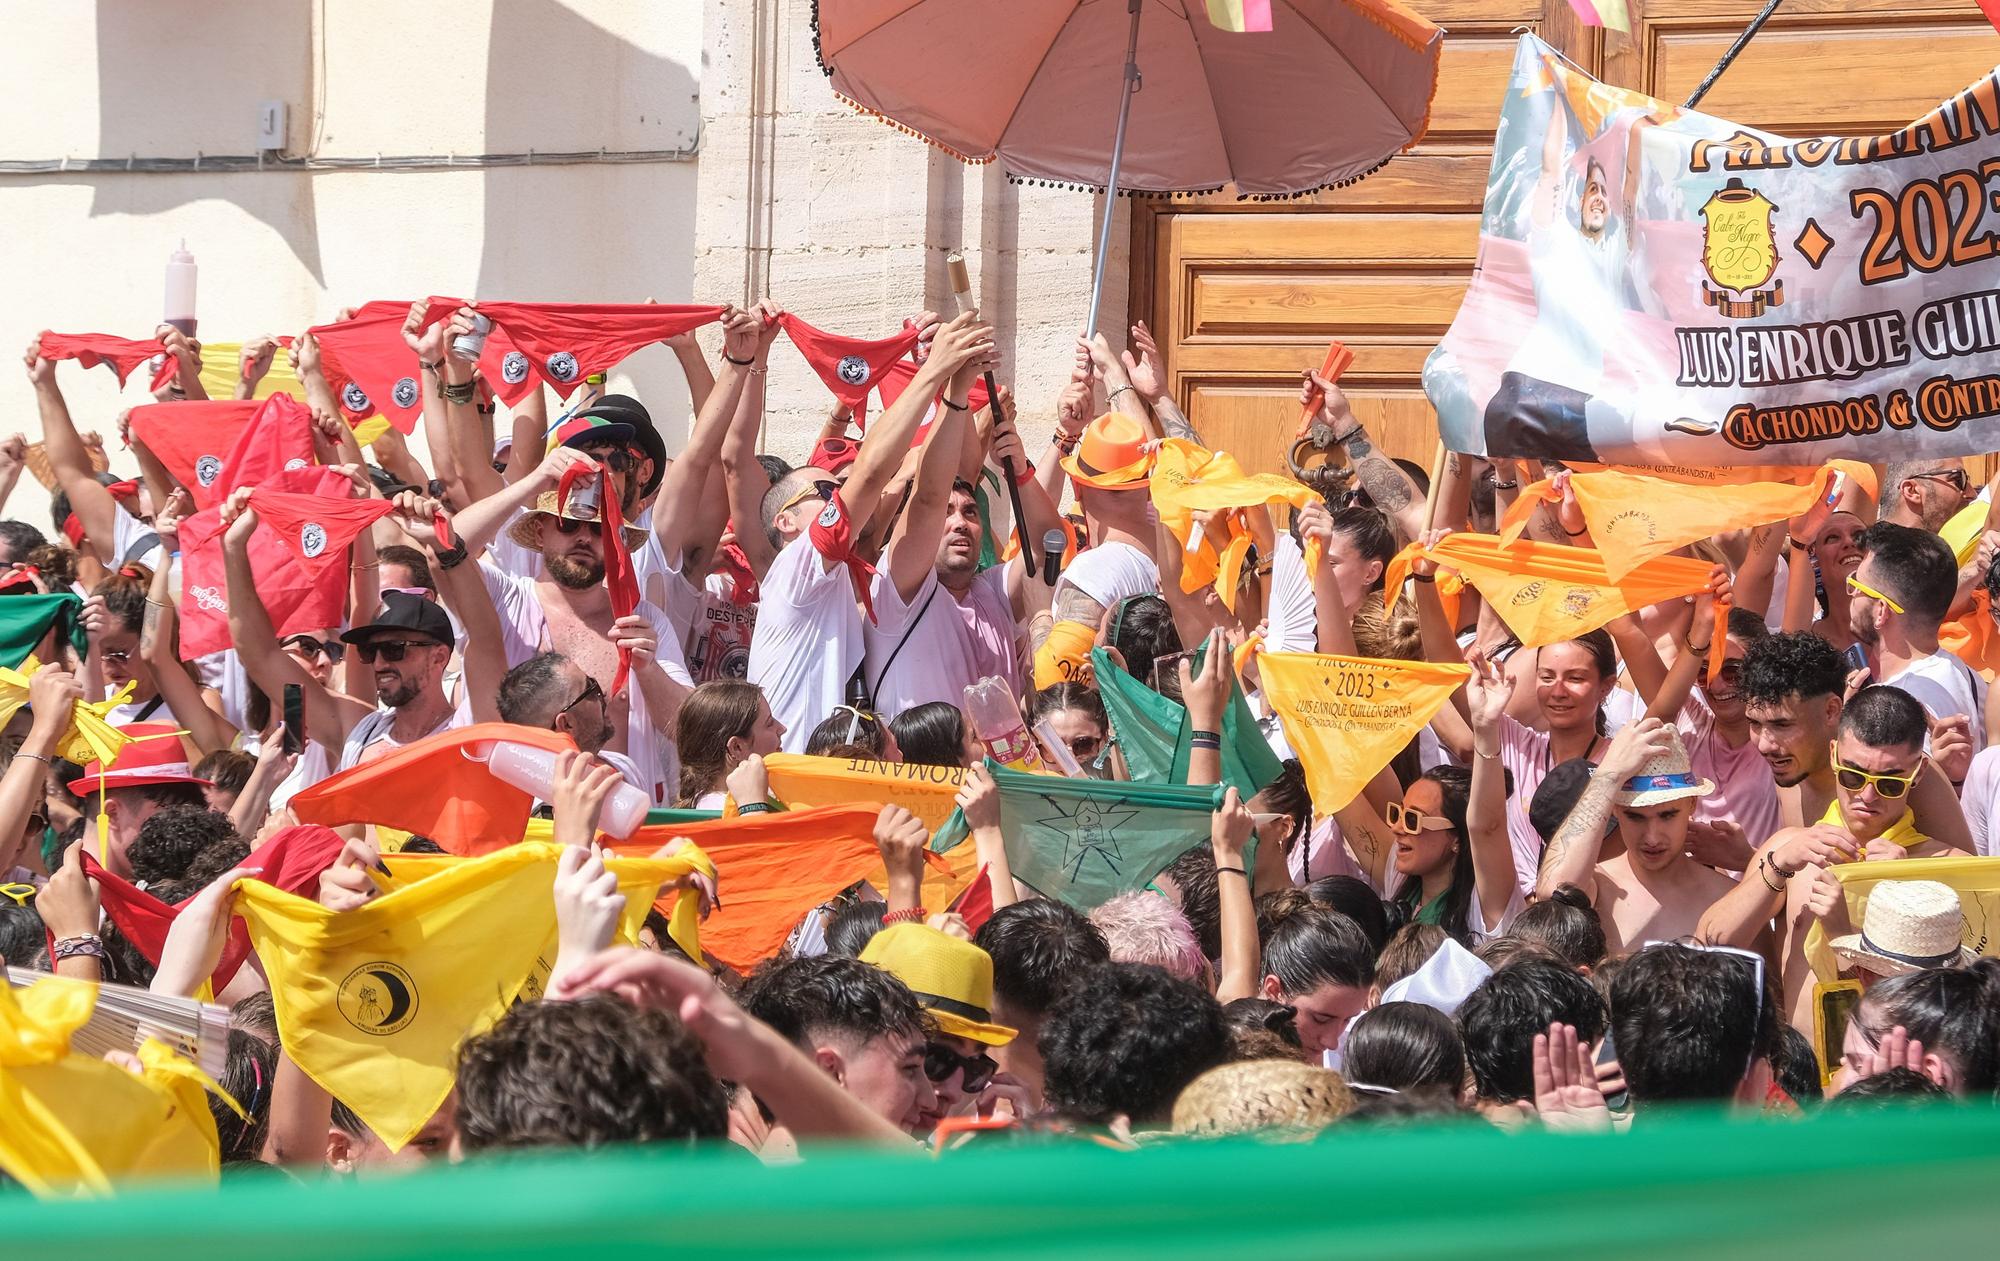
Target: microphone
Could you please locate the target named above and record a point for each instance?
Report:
(1053, 543)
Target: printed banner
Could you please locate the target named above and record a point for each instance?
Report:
(1347, 717)
(1656, 286)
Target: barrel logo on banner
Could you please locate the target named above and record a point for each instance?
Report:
(1657, 287)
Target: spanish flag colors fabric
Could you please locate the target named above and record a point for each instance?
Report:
(1548, 593)
(1346, 717)
(1977, 881)
(1634, 517)
(1188, 478)
(373, 1003)
(929, 792)
(71, 1122)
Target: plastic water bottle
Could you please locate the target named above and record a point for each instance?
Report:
(469, 346)
(180, 290)
(533, 770)
(996, 721)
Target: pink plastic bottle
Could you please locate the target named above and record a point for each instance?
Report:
(996, 722)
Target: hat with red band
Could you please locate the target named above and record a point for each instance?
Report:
(154, 755)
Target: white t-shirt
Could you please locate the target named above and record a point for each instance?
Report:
(524, 630)
(714, 630)
(1111, 572)
(375, 729)
(1578, 284)
(1944, 685)
(1982, 786)
(951, 644)
(808, 640)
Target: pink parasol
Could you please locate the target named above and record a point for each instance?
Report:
(1331, 92)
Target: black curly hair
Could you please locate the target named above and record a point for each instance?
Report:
(1125, 1039)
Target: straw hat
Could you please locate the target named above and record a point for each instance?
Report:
(526, 528)
(1111, 454)
(1254, 1095)
(1909, 925)
(1664, 777)
(951, 977)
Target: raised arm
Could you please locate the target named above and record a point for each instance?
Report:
(468, 431)
(744, 477)
(911, 555)
(1488, 691)
(1147, 374)
(1120, 395)
(482, 522)
(1572, 855)
(329, 715)
(1738, 916)
(428, 344)
(685, 515)
(157, 640)
(1386, 483)
(68, 457)
(1229, 834)
(962, 341)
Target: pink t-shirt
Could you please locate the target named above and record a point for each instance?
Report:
(1525, 753)
(952, 643)
(1746, 792)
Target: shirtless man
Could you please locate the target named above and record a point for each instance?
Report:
(1877, 760)
(1652, 891)
(1792, 686)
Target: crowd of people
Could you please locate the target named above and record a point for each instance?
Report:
(1602, 879)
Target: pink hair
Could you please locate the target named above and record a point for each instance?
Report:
(1144, 927)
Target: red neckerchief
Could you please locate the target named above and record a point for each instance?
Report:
(619, 577)
(832, 535)
(743, 586)
(850, 366)
(122, 354)
(317, 528)
(562, 343)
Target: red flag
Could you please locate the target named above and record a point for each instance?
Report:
(564, 342)
(298, 599)
(369, 366)
(1991, 8)
(850, 366)
(437, 787)
(897, 377)
(772, 869)
(291, 859)
(121, 353)
(194, 439)
(317, 528)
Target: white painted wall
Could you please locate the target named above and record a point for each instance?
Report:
(847, 221)
(280, 251)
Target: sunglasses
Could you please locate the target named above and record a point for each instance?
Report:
(1402, 818)
(1888, 787)
(390, 650)
(21, 894)
(590, 689)
(941, 1061)
(568, 525)
(818, 490)
(330, 649)
(1857, 587)
(1956, 478)
(115, 654)
(1084, 746)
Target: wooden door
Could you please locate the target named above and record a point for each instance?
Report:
(1245, 295)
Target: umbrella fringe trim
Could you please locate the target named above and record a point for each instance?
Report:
(887, 121)
(1370, 11)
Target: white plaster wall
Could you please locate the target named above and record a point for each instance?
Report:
(279, 251)
(847, 222)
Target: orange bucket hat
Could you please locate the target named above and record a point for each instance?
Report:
(1112, 454)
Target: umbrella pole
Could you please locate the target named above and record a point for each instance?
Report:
(1128, 86)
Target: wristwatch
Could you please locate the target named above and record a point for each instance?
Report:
(454, 556)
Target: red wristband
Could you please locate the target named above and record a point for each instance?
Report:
(1025, 473)
(908, 915)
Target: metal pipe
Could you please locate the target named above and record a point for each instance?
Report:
(1756, 24)
(1127, 87)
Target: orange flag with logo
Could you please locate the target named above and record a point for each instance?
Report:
(1548, 593)
(929, 792)
(438, 787)
(1346, 717)
(1634, 516)
(771, 869)
(1188, 478)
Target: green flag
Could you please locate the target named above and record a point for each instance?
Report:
(1085, 841)
(1157, 740)
(25, 619)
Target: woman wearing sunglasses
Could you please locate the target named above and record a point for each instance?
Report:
(1446, 840)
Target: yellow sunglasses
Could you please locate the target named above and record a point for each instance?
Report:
(1888, 787)
(20, 893)
(1857, 587)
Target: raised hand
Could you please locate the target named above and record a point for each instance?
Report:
(588, 905)
(979, 800)
(1567, 1095)
(195, 940)
(1636, 743)
(1487, 693)
(1951, 745)
(901, 838)
(582, 786)
(1207, 694)
(347, 885)
(1146, 373)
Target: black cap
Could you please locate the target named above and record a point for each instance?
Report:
(623, 409)
(402, 611)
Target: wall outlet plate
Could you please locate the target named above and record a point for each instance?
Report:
(271, 119)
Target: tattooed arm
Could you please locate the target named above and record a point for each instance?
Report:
(1572, 855)
(1071, 605)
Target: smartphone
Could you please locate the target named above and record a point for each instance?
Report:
(1856, 658)
(1167, 672)
(1607, 1051)
(1833, 1007)
(295, 718)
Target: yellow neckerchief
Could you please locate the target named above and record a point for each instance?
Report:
(1902, 832)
